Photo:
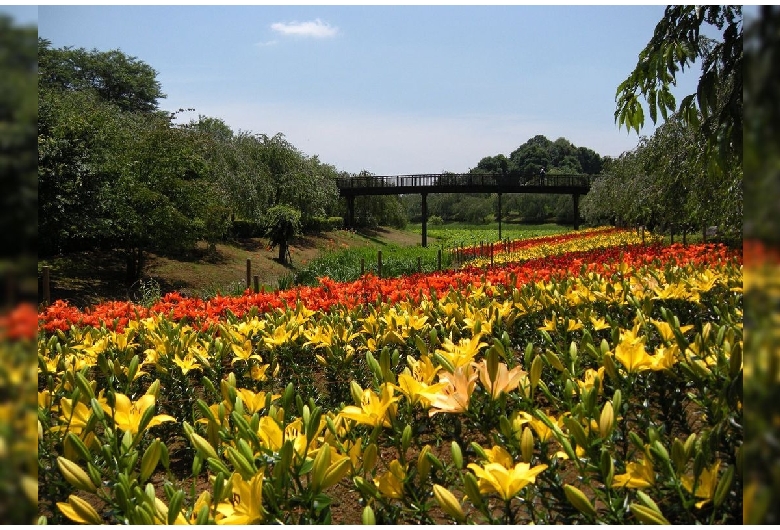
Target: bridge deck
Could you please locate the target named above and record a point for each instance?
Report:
(462, 183)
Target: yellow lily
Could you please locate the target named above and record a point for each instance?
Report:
(506, 482)
(456, 395)
(186, 363)
(279, 337)
(705, 487)
(243, 352)
(127, 414)
(549, 325)
(391, 483)
(270, 433)
(374, 410)
(665, 358)
(417, 380)
(589, 379)
(294, 431)
(73, 418)
(257, 372)
(542, 430)
(423, 369)
(476, 322)
(253, 401)
(665, 330)
(599, 323)
(462, 353)
(417, 391)
(637, 475)
(248, 328)
(631, 352)
(246, 504)
(499, 455)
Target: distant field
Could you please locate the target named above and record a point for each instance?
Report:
(455, 234)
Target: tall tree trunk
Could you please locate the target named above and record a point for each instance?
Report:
(283, 252)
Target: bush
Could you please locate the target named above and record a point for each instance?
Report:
(324, 224)
(435, 220)
(245, 228)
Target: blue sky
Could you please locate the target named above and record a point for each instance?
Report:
(389, 89)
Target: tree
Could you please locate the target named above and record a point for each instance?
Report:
(676, 44)
(666, 181)
(117, 176)
(282, 223)
(115, 77)
(528, 159)
(495, 165)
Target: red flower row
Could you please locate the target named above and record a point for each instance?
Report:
(370, 289)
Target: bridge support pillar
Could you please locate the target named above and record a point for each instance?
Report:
(350, 211)
(576, 199)
(424, 219)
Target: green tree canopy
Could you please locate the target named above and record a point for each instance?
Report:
(115, 77)
(112, 172)
(677, 43)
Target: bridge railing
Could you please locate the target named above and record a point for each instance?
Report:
(467, 179)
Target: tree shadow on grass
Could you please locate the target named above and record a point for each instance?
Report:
(374, 234)
(253, 244)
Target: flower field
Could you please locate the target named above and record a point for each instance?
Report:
(584, 378)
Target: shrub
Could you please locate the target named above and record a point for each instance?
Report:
(245, 228)
(324, 224)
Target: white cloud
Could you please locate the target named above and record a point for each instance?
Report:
(266, 43)
(314, 28)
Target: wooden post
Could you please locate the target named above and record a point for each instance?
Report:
(438, 260)
(491, 254)
(248, 273)
(257, 284)
(362, 266)
(419, 264)
(46, 286)
(379, 264)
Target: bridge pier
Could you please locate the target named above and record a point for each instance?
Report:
(424, 219)
(576, 199)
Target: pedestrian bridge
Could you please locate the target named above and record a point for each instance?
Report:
(566, 184)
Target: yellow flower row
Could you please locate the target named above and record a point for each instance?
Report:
(593, 240)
